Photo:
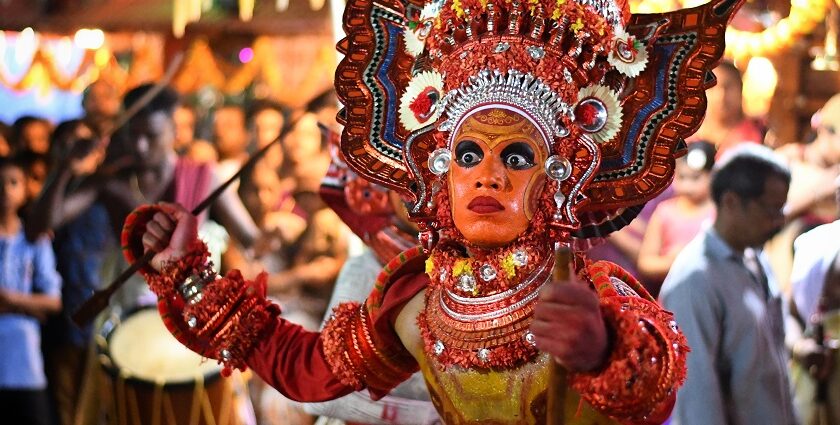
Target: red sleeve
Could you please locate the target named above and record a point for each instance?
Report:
(357, 349)
(292, 360)
(230, 320)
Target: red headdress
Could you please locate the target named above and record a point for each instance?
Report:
(615, 95)
(364, 207)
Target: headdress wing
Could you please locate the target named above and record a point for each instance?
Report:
(664, 104)
(369, 81)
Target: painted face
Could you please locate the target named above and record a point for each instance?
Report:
(496, 176)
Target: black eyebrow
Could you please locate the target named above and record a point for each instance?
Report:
(521, 148)
(466, 145)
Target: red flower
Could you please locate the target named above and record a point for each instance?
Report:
(422, 104)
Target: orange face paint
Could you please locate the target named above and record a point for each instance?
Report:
(496, 175)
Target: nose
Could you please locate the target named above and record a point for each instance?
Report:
(491, 175)
(142, 145)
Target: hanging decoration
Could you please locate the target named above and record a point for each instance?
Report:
(804, 16)
(290, 85)
(185, 12)
(47, 69)
(49, 66)
(44, 71)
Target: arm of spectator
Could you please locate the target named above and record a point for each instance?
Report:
(327, 236)
(56, 205)
(651, 263)
(231, 214)
(317, 273)
(39, 306)
(45, 298)
(803, 196)
(696, 310)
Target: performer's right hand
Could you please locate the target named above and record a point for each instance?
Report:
(169, 233)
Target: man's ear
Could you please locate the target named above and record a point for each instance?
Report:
(730, 200)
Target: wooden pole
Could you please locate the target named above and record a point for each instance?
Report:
(557, 374)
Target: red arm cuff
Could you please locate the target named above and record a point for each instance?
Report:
(219, 318)
(226, 318)
(359, 357)
(647, 361)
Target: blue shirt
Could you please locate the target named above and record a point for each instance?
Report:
(80, 247)
(24, 268)
(732, 318)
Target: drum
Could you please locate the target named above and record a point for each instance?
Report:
(151, 379)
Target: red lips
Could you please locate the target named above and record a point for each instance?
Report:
(485, 205)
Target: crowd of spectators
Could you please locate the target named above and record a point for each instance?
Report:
(717, 247)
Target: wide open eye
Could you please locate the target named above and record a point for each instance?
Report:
(518, 156)
(468, 154)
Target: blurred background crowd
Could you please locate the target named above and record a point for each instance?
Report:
(240, 72)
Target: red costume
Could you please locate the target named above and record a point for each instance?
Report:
(513, 126)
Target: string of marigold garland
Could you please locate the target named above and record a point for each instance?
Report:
(804, 16)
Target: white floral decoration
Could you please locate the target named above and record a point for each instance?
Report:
(614, 112)
(414, 39)
(430, 85)
(628, 54)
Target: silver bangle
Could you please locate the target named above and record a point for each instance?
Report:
(191, 289)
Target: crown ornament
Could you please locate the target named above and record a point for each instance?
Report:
(614, 93)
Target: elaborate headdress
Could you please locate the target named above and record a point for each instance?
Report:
(614, 94)
(364, 207)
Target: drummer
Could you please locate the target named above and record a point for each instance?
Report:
(141, 168)
(30, 290)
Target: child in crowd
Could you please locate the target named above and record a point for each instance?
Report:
(678, 220)
(30, 290)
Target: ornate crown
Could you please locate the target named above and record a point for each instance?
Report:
(615, 94)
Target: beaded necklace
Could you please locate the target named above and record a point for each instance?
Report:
(479, 308)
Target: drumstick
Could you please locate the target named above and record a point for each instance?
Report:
(557, 374)
(99, 300)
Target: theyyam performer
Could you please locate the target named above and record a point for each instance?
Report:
(515, 126)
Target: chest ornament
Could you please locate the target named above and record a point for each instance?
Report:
(479, 309)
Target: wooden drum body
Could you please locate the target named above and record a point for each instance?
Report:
(151, 379)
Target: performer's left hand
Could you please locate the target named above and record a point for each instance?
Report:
(568, 325)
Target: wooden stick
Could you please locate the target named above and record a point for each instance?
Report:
(99, 300)
(147, 97)
(556, 408)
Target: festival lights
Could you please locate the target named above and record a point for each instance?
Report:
(804, 16)
(90, 39)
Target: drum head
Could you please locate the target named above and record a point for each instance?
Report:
(142, 348)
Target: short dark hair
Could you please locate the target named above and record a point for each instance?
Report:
(700, 155)
(165, 101)
(86, 92)
(265, 104)
(16, 133)
(732, 70)
(745, 169)
(19, 161)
